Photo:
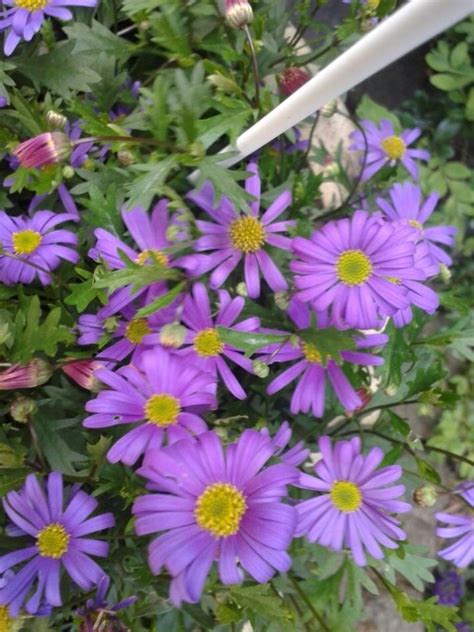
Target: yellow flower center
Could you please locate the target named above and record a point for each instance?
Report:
(26, 241)
(151, 256)
(207, 343)
(31, 5)
(247, 234)
(5, 619)
(136, 330)
(394, 147)
(415, 223)
(353, 267)
(346, 496)
(219, 509)
(311, 353)
(162, 409)
(373, 4)
(53, 541)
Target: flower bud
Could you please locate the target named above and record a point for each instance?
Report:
(172, 335)
(329, 109)
(241, 289)
(425, 496)
(111, 324)
(68, 172)
(238, 13)
(365, 396)
(46, 149)
(445, 273)
(36, 372)
(260, 368)
(331, 169)
(82, 372)
(125, 157)
(282, 300)
(22, 408)
(291, 80)
(58, 121)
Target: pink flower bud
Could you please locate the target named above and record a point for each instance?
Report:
(82, 372)
(46, 149)
(292, 79)
(34, 373)
(238, 13)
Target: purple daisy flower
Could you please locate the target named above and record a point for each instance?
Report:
(311, 369)
(57, 526)
(449, 588)
(99, 609)
(234, 235)
(461, 526)
(293, 456)
(205, 349)
(164, 394)
(406, 204)
(463, 626)
(34, 248)
(216, 504)
(24, 18)
(354, 505)
(348, 266)
(385, 147)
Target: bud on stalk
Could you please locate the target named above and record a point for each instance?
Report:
(238, 13)
(43, 150)
(291, 80)
(30, 375)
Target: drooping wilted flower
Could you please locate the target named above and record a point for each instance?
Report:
(58, 526)
(460, 526)
(238, 13)
(291, 79)
(48, 148)
(32, 248)
(216, 505)
(34, 373)
(354, 505)
(384, 147)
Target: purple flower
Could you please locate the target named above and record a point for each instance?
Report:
(407, 205)
(385, 147)
(216, 505)
(34, 248)
(449, 588)
(24, 18)
(58, 527)
(234, 235)
(3, 101)
(205, 349)
(311, 368)
(348, 265)
(99, 608)
(48, 148)
(461, 526)
(293, 456)
(354, 504)
(464, 627)
(164, 394)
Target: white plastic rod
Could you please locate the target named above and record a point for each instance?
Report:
(409, 27)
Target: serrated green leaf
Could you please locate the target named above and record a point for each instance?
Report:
(249, 341)
(414, 567)
(97, 39)
(161, 301)
(145, 187)
(12, 479)
(329, 342)
(427, 471)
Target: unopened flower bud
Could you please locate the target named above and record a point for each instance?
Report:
(425, 496)
(241, 289)
(238, 13)
(111, 324)
(329, 109)
(391, 390)
(445, 273)
(260, 368)
(172, 335)
(144, 25)
(125, 157)
(282, 300)
(43, 150)
(36, 372)
(291, 80)
(68, 172)
(365, 396)
(56, 120)
(22, 408)
(366, 25)
(331, 169)
(82, 372)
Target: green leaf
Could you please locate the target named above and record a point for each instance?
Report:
(460, 55)
(224, 182)
(249, 341)
(230, 123)
(425, 377)
(161, 301)
(450, 82)
(96, 39)
(399, 424)
(12, 479)
(82, 294)
(145, 187)
(329, 342)
(427, 471)
(414, 567)
(372, 111)
(58, 452)
(260, 600)
(457, 171)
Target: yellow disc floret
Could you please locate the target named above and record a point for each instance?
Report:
(25, 242)
(247, 234)
(53, 541)
(5, 619)
(219, 509)
(353, 267)
(415, 223)
(31, 5)
(394, 147)
(311, 353)
(207, 343)
(151, 256)
(136, 330)
(162, 409)
(346, 496)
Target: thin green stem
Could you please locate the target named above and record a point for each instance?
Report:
(307, 601)
(253, 55)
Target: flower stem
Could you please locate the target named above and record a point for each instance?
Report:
(254, 65)
(307, 601)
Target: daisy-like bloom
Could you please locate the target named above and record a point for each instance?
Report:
(48, 148)
(355, 502)
(36, 372)
(98, 610)
(24, 18)
(205, 350)
(234, 236)
(461, 526)
(384, 147)
(216, 505)
(33, 248)
(164, 394)
(57, 526)
(311, 369)
(449, 588)
(348, 266)
(407, 205)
